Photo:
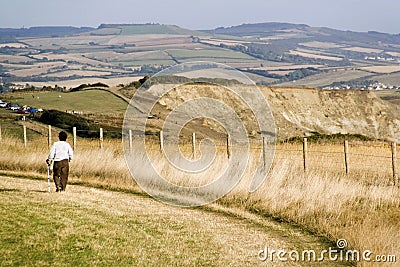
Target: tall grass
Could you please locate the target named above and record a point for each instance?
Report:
(360, 206)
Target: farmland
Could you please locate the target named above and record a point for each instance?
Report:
(122, 51)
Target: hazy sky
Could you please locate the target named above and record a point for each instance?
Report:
(357, 15)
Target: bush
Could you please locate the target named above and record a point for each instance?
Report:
(85, 128)
(83, 86)
(317, 137)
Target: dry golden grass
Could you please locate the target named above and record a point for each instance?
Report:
(83, 73)
(37, 69)
(311, 55)
(382, 69)
(363, 49)
(360, 207)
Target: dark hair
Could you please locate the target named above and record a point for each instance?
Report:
(62, 136)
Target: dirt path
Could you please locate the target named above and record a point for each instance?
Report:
(224, 237)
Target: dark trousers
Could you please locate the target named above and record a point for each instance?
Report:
(60, 174)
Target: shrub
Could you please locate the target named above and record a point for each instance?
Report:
(85, 128)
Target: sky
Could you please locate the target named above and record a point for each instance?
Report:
(355, 15)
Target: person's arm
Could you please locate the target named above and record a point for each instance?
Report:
(52, 154)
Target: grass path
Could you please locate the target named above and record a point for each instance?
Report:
(92, 227)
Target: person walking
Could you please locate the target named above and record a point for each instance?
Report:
(61, 154)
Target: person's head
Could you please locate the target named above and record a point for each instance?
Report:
(62, 136)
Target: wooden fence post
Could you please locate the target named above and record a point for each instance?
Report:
(130, 141)
(101, 138)
(305, 151)
(74, 137)
(264, 151)
(394, 164)
(161, 141)
(25, 137)
(49, 136)
(228, 145)
(194, 145)
(346, 155)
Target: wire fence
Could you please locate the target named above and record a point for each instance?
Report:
(357, 158)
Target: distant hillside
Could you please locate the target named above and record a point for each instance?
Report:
(10, 34)
(261, 29)
(304, 32)
(149, 28)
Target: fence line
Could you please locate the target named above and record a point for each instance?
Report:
(346, 153)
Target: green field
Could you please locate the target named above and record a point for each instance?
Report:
(89, 101)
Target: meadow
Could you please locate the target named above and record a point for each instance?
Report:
(88, 101)
(362, 206)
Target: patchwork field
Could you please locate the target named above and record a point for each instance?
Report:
(124, 50)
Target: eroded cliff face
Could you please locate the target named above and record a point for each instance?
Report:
(296, 111)
(299, 111)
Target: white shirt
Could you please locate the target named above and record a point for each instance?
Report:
(61, 150)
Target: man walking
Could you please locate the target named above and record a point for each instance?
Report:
(61, 153)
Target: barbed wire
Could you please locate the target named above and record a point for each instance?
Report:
(291, 151)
